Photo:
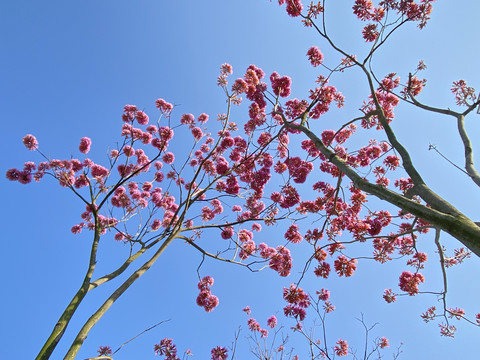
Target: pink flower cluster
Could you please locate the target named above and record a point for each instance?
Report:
(447, 330)
(414, 87)
(460, 255)
(293, 235)
(280, 258)
(323, 267)
(254, 326)
(365, 11)
(288, 198)
(464, 95)
(219, 353)
(323, 97)
(167, 348)
(315, 56)
(295, 108)
(254, 90)
(298, 302)
(344, 266)
(294, 7)
(370, 32)
(205, 298)
(383, 342)
(389, 296)
(409, 282)
(104, 351)
(280, 84)
(272, 321)
(131, 113)
(30, 142)
(456, 313)
(163, 106)
(341, 349)
(298, 169)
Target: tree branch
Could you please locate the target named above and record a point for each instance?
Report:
(446, 218)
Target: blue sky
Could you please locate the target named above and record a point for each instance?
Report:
(68, 68)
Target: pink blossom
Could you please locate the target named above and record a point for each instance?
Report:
(253, 325)
(123, 170)
(128, 151)
(341, 349)
(409, 282)
(98, 171)
(167, 348)
(129, 108)
(166, 133)
(293, 235)
(256, 227)
(370, 32)
(104, 350)
(280, 167)
(159, 176)
(30, 142)
(447, 330)
(205, 298)
(85, 143)
(202, 118)
(297, 327)
(290, 197)
(456, 313)
(76, 229)
(245, 235)
(222, 166)
(328, 307)
(323, 294)
(315, 56)
(247, 249)
(197, 133)
(156, 224)
(328, 136)
(280, 261)
(163, 105)
(187, 119)
(239, 86)
(13, 174)
(141, 117)
(280, 84)
(364, 9)
(86, 163)
(226, 68)
(346, 267)
(227, 233)
(383, 343)
(114, 154)
(168, 158)
(264, 139)
(272, 321)
(232, 185)
(219, 353)
(322, 270)
(81, 181)
(294, 7)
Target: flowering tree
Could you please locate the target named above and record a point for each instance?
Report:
(282, 166)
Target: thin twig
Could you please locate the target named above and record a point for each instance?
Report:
(143, 332)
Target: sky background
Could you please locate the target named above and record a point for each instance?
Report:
(67, 70)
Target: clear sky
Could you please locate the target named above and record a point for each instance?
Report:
(67, 70)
